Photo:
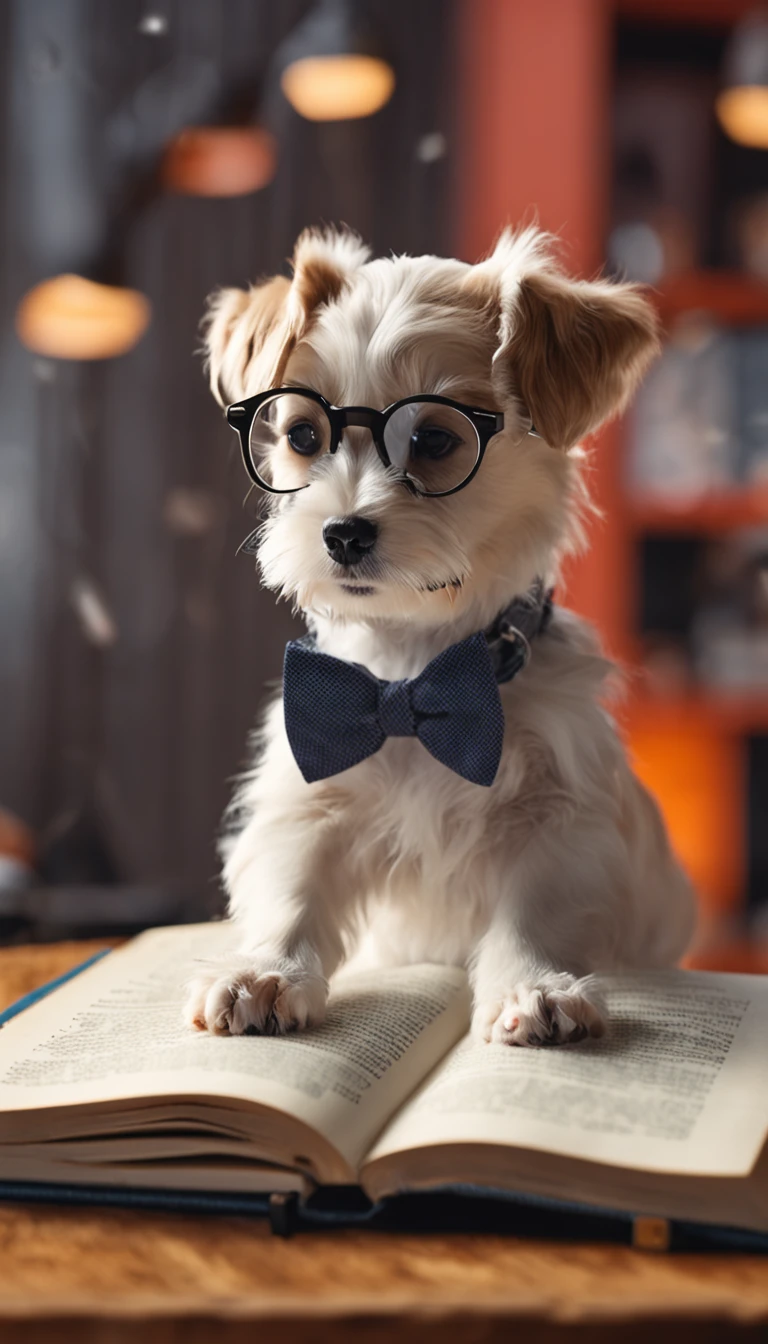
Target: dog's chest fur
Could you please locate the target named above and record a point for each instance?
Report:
(411, 825)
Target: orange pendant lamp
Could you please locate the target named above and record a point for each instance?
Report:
(70, 316)
(220, 160)
(742, 103)
(332, 66)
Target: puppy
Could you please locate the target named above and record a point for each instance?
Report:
(438, 528)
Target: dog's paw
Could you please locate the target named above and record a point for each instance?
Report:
(240, 998)
(552, 1010)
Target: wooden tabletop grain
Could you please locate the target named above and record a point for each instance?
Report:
(108, 1276)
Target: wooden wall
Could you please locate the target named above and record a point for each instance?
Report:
(96, 461)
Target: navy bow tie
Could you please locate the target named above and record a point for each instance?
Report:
(338, 713)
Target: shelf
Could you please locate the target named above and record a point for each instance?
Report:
(723, 512)
(704, 13)
(730, 711)
(728, 296)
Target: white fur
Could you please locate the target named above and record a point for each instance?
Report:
(562, 868)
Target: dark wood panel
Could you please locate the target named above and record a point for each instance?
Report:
(143, 736)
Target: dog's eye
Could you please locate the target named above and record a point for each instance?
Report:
(433, 442)
(304, 438)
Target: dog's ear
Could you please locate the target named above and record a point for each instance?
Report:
(239, 324)
(571, 351)
(324, 262)
(249, 334)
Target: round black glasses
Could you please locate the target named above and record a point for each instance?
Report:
(435, 445)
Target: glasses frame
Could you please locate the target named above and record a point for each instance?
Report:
(241, 415)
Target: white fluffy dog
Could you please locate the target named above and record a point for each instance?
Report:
(561, 868)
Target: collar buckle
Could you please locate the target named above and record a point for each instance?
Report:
(511, 635)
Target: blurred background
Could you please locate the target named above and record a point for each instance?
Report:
(153, 151)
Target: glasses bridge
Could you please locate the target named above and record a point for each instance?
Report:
(359, 417)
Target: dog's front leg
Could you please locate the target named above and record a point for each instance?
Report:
(285, 889)
(549, 928)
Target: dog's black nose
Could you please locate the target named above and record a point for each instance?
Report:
(349, 540)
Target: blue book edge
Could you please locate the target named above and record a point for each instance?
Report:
(682, 1235)
(42, 992)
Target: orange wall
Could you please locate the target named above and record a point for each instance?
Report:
(533, 140)
(697, 772)
(534, 121)
(533, 127)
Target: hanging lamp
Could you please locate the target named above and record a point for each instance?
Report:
(332, 66)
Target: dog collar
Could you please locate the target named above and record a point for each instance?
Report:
(509, 636)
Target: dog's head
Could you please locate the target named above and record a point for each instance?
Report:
(510, 335)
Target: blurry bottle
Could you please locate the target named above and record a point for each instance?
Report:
(749, 225)
(685, 425)
(662, 135)
(17, 854)
(651, 237)
(730, 629)
(753, 400)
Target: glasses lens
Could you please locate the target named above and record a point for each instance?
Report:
(435, 445)
(290, 434)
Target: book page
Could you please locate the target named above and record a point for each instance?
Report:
(678, 1084)
(116, 1033)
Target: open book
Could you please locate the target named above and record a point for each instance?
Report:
(102, 1084)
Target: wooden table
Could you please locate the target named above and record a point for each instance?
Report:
(112, 1276)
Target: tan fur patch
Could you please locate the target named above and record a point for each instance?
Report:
(576, 352)
(238, 324)
(250, 334)
(317, 281)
